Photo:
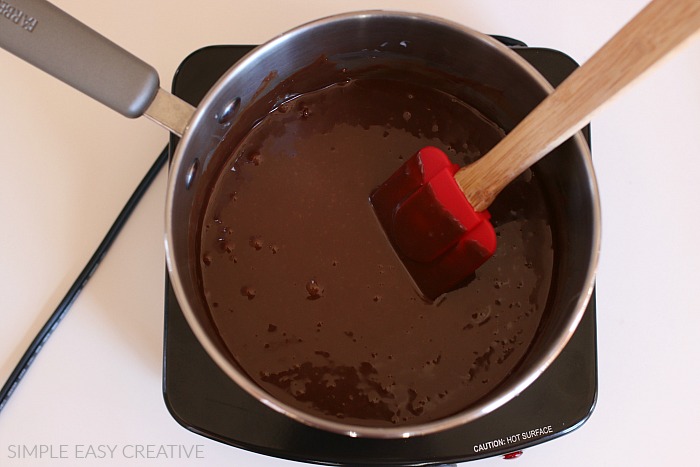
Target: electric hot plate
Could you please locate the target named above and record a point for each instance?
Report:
(204, 400)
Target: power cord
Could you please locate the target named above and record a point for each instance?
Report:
(87, 272)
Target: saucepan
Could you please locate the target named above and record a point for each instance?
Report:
(464, 63)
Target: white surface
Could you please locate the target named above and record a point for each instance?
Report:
(68, 165)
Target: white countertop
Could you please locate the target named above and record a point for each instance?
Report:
(68, 166)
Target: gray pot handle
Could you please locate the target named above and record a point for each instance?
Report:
(55, 42)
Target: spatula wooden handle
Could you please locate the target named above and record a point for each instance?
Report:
(650, 35)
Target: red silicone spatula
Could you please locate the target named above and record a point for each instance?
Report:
(434, 213)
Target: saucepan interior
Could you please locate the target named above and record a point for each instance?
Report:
(473, 67)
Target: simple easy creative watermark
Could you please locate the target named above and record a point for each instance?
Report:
(135, 452)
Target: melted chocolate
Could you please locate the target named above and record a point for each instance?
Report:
(309, 295)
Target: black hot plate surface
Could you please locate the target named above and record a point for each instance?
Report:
(204, 400)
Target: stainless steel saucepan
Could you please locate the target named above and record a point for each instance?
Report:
(503, 87)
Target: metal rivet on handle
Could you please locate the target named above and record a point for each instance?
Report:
(227, 114)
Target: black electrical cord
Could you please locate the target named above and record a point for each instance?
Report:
(87, 272)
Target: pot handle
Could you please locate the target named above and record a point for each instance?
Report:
(45, 36)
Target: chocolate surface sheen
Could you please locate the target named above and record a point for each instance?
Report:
(309, 296)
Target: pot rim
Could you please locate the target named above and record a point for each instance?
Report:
(506, 391)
